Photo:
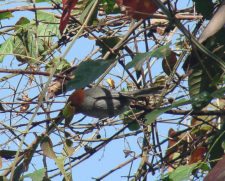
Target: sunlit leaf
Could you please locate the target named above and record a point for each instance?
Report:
(6, 48)
(46, 29)
(27, 47)
(37, 175)
(111, 83)
(60, 164)
(6, 15)
(182, 173)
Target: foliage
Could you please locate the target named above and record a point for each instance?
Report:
(54, 47)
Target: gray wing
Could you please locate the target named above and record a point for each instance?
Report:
(102, 103)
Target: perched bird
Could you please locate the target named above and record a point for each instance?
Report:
(99, 102)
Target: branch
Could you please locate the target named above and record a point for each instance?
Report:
(29, 72)
(27, 8)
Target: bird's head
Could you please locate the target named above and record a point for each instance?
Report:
(76, 98)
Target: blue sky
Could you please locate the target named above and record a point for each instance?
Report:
(104, 160)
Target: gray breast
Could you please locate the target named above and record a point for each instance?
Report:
(102, 103)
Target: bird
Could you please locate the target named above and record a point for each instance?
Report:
(100, 102)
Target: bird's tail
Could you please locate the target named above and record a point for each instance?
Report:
(143, 92)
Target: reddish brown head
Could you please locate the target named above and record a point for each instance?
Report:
(77, 98)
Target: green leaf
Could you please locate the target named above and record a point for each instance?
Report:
(47, 148)
(87, 11)
(87, 72)
(6, 15)
(22, 23)
(134, 126)
(25, 47)
(151, 117)
(205, 73)
(204, 166)
(140, 58)
(40, 1)
(62, 65)
(129, 118)
(6, 48)
(195, 100)
(182, 173)
(37, 175)
(110, 6)
(200, 84)
(60, 164)
(205, 7)
(47, 16)
(68, 110)
(219, 93)
(110, 42)
(48, 26)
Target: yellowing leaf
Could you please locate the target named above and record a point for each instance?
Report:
(60, 164)
(37, 175)
(68, 147)
(46, 146)
(111, 83)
